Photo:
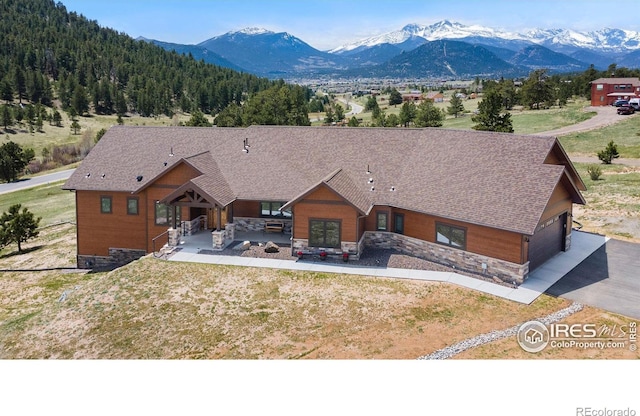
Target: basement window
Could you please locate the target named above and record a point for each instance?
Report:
(451, 236)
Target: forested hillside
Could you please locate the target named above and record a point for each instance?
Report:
(49, 53)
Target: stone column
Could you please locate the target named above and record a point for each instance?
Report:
(174, 237)
(231, 231)
(218, 240)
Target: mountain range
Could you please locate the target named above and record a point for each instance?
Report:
(444, 49)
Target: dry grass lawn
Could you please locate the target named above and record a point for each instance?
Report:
(164, 310)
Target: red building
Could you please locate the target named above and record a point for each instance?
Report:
(605, 91)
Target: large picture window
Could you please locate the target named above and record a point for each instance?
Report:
(451, 236)
(272, 209)
(324, 233)
(164, 214)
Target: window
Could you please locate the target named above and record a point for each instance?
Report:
(451, 236)
(272, 209)
(599, 87)
(381, 221)
(105, 204)
(164, 214)
(398, 223)
(324, 233)
(132, 206)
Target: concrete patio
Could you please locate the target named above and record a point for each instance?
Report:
(203, 240)
(583, 245)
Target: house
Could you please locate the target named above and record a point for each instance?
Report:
(605, 91)
(412, 97)
(495, 204)
(436, 97)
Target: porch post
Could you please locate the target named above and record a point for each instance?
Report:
(174, 219)
(218, 217)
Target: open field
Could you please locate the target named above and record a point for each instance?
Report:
(54, 136)
(613, 202)
(625, 133)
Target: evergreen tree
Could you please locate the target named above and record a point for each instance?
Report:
(609, 153)
(75, 127)
(6, 91)
(353, 122)
(428, 115)
(407, 113)
(489, 117)
(395, 97)
(79, 102)
(18, 226)
(198, 120)
(7, 116)
(13, 160)
(455, 106)
(536, 90)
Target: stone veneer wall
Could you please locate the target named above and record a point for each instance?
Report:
(117, 257)
(459, 259)
(245, 224)
(302, 244)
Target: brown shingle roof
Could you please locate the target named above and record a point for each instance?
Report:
(493, 179)
(632, 81)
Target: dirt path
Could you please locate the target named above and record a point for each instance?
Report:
(606, 115)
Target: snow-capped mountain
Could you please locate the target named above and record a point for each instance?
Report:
(605, 40)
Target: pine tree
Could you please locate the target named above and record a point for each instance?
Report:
(18, 226)
(455, 106)
(489, 117)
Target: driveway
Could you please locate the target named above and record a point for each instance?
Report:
(608, 279)
(605, 116)
(35, 181)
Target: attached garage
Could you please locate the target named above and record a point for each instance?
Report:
(548, 241)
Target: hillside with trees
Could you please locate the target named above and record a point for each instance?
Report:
(50, 56)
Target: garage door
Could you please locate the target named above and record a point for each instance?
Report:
(547, 241)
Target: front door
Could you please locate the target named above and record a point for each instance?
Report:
(211, 219)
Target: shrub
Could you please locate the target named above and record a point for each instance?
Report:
(609, 153)
(594, 172)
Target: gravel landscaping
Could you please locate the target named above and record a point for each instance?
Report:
(370, 258)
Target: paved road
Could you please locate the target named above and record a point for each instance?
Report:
(608, 279)
(35, 181)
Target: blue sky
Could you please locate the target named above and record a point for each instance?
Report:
(326, 24)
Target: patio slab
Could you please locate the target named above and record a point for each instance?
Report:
(583, 245)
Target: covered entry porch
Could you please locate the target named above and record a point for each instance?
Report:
(210, 224)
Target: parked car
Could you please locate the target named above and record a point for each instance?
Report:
(635, 103)
(619, 103)
(625, 109)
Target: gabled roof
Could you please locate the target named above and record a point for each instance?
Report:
(342, 185)
(493, 179)
(211, 183)
(632, 81)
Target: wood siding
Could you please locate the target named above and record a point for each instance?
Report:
(486, 241)
(326, 205)
(97, 232)
(249, 209)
